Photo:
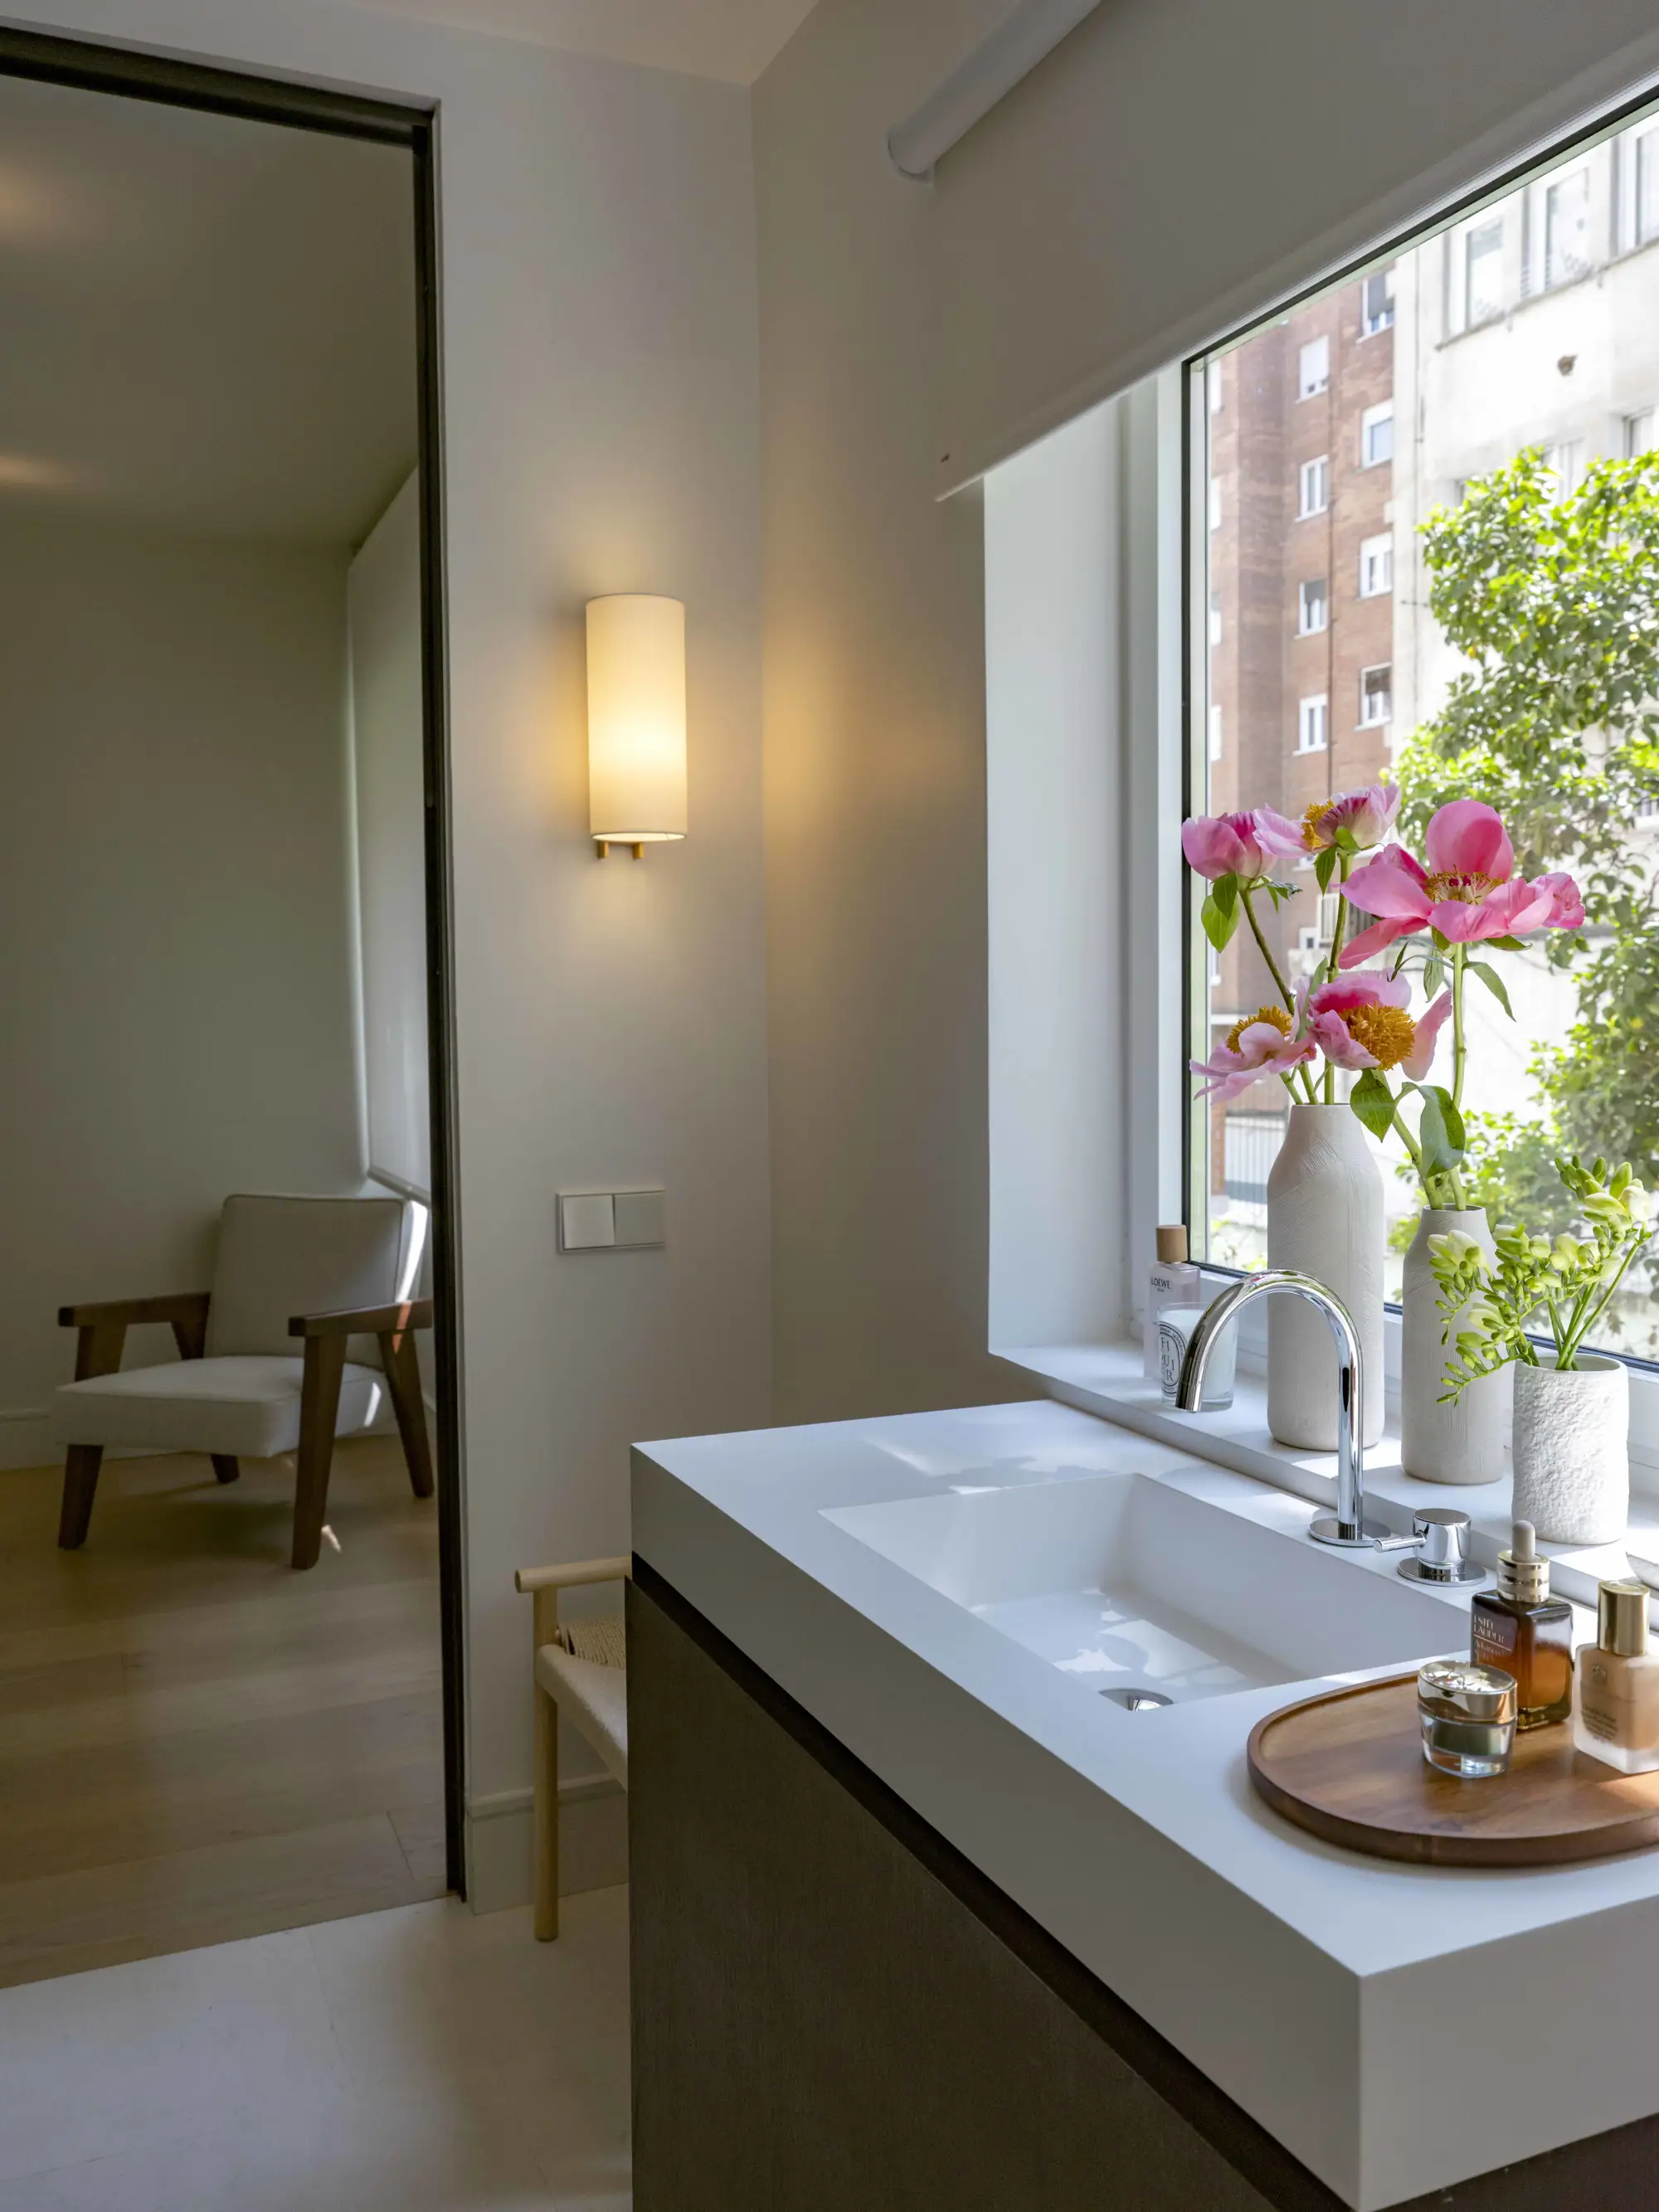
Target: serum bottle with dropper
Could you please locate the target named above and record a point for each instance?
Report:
(1520, 1627)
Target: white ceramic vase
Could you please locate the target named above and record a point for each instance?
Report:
(1572, 1448)
(1460, 1443)
(1325, 1219)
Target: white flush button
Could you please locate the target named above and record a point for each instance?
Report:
(587, 1221)
(641, 1217)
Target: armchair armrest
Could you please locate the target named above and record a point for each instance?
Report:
(365, 1320)
(186, 1306)
(527, 1579)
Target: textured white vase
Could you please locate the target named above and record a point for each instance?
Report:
(1572, 1448)
(1324, 1218)
(1464, 1441)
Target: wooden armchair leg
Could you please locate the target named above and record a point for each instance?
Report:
(402, 1380)
(80, 1465)
(225, 1466)
(320, 1410)
(546, 1782)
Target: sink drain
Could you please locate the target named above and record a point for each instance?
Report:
(1136, 1700)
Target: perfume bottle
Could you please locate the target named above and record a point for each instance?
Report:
(1520, 1627)
(1617, 1719)
(1171, 1280)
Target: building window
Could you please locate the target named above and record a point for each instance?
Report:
(1377, 435)
(1375, 694)
(1213, 386)
(1375, 566)
(1638, 433)
(1566, 464)
(1480, 274)
(1215, 618)
(1215, 502)
(1215, 729)
(1312, 722)
(1313, 369)
(1566, 229)
(1310, 606)
(1376, 303)
(1313, 487)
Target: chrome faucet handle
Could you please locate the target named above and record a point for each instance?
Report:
(1442, 1549)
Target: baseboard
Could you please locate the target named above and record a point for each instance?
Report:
(592, 1842)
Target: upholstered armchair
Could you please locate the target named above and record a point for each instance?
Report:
(336, 1274)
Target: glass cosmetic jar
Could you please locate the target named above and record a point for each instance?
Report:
(1466, 1714)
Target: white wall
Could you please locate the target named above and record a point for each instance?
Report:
(600, 393)
(175, 992)
(875, 713)
(388, 783)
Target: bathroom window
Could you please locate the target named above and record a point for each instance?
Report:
(1369, 685)
(1215, 502)
(1215, 618)
(1215, 729)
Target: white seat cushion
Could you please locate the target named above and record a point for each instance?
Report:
(593, 1699)
(248, 1406)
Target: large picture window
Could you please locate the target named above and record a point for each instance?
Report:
(1444, 626)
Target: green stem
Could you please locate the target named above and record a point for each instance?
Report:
(1343, 865)
(1284, 989)
(1602, 1302)
(1460, 1048)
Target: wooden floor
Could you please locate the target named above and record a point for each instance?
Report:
(196, 1742)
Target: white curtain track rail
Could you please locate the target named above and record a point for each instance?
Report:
(973, 89)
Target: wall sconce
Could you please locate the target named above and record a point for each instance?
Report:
(636, 721)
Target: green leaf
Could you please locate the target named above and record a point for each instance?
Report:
(1505, 944)
(1434, 974)
(1219, 928)
(1224, 892)
(1325, 867)
(1440, 1132)
(1373, 1101)
(1494, 982)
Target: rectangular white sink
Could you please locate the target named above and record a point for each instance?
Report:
(1126, 1584)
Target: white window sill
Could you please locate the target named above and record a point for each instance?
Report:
(1109, 1380)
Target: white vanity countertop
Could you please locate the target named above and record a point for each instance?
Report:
(1334, 1996)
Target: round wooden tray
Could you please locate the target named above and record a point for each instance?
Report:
(1349, 1766)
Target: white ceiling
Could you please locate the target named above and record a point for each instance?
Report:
(730, 38)
(205, 322)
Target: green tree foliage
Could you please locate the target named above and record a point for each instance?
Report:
(1553, 602)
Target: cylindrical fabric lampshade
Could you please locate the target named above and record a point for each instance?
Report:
(636, 718)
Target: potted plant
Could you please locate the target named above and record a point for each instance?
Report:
(1571, 1407)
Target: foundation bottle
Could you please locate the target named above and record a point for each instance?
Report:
(1617, 1717)
(1520, 1627)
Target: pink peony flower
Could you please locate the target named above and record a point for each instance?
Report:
(1237, 844)
(1259, 1045)
(1367, 815)
(1358, 1021)
(1469, 891)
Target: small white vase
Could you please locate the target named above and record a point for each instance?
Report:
(1572, 1448)
(1324, 1218)
(1463, 1442)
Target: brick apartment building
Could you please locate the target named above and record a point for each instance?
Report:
(1300, 624)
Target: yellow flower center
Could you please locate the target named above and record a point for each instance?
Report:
(1311, 825)
(1387, 1033)
(1275, 1015)
(1467, 885)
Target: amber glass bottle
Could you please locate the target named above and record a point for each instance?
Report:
(1520, 1627)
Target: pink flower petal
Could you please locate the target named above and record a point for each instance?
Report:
(1468, 838)
(1421, 1059)
(1330, 1033)
(1377, 939)
(1390, 886)
(1278, 835)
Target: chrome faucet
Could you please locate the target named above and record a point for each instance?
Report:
(1348, 1524)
